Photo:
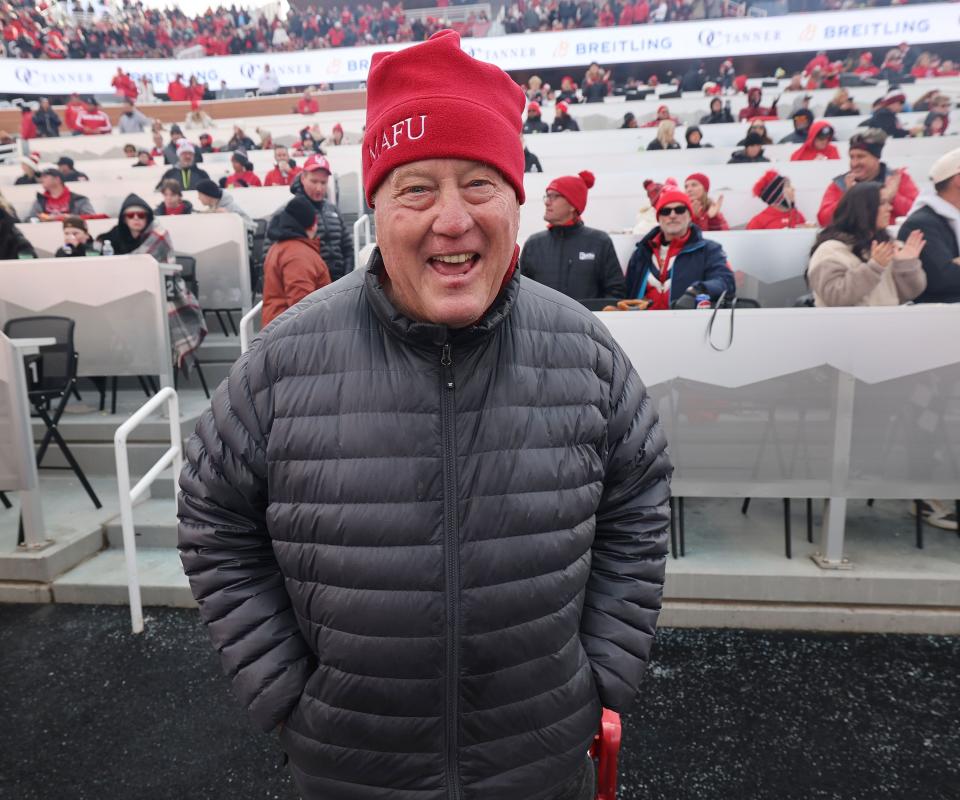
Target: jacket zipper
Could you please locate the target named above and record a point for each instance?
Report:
(452, 559)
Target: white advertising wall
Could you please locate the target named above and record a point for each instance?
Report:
(836, 30)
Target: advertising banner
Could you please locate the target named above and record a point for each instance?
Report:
(833, 31)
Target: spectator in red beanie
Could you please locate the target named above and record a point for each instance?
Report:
(562, 121)
(578, 261)
(534, 123)
(781, 212)
(706, 212)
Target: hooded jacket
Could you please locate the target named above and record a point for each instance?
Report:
(884, 119)
(902, 202)
(577, 261)
(701, 261)
(293, 268)
(941, 254)
(741, 157)
(152, 240)
(801, 136)
(433, 554)
(808, 152)
(12, 242)
(336, 240)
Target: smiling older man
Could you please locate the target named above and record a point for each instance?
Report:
(425, 517)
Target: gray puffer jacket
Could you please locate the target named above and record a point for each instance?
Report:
(432, 553)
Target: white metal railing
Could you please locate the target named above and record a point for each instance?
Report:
(246, 326)
(173, 457)
(361, 226)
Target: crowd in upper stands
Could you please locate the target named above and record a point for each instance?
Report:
(75, 30)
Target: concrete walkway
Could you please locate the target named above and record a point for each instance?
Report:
(91, 712)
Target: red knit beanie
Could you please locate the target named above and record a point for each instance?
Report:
(700, 178)
(671, 196)
(574, 188)
(433, 100)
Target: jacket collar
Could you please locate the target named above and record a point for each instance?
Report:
(427, 334)
(694, 241)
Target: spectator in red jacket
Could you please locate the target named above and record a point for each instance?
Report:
(124, 85)
(243, 174)
(819, 145)
(73, 108)
(93, 121)
(866, 149)
(820, 61)
(176, 91)
(706, 212)
(285, 169)
(662, 113)
(28, 128)
(866, 67)
(753, 107)
(308, 103)
(781, 212)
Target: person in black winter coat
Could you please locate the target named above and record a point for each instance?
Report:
(533, 123)
(802, 120)
(426, 515)
(336, 238)
(884, 116)
(530, 162)
(186, 172)
(46, 120)
(752, 152)
(718, 113)
(937, 216)
(562, 120)
(694, 137)
(76, 240)
(13, 244)
(578, 261)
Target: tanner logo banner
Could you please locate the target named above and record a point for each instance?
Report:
(836, 30)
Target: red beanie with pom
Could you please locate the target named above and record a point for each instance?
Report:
(700, 178)
(415, 112)
(574, 188)
(770, 187)
(670, 196)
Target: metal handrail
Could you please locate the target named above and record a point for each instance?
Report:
(173, 457)
(246, 326)
(362, 225)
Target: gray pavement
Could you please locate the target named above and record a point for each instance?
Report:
(90, 711)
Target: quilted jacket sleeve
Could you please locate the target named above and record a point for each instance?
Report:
(625, 587)
(227, 554)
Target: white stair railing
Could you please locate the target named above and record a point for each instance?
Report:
(173, 457)
(247, 323)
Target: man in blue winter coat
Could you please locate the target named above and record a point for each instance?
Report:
(674, 259)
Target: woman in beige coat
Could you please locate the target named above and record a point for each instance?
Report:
(854, 261)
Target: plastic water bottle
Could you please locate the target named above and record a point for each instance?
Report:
(68, 249)
(107, 248)
(703, 301)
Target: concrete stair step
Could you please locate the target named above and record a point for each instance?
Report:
(216, 346)
(154, 525)
(98, 458)
(103, 580)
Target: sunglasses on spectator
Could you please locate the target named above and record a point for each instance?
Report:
(666, 211)
(135, 215)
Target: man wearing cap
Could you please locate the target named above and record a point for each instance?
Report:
(673, 262)
(866, 148)
(336, 240)
(186, 172)
(884, 116)
(69, 171)
(937, 215)
(93, 120)
(132, 120)
(578, 261)
(781, 212)
(562, 121)
(533, 122)
(426, 517)
(170, 151)
(216, 200)
(802, 120)
(57, 200)
(752, 152)
(818, 145)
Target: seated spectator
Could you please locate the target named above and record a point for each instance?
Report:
(336, 136)
(66, 166)
(173, 202)
(884, 117)
(629, 121)
(758, 126)
(75, 106)
(293, 267)
(674, 259)
(13, 244)
(137, 233)
(577, 261)
(132, 119)
(936, 215)
(30, 171)
(780, 196)
(170, 151)
(753, 107)
(214, 199)
(243, 174)
(841, 105)
(568, 91)
(186, 173)
(76, 240)
(694, 137)
(665, 139)
(157, 151)
(865, 68)
(819, 144)
(925, 101)
(562, 120)
(93, 121)
(130, 150)
(704, 211)
(719, 113)
(935, 124)
(308, 103)
(240, 141)
(752, 151)
(596, 84)
(663, 113)
(855, 263)
(530, 162)
(197, 119)
(206, 144)
(57, 201)
(144, 159)
(45, 120)
(802, 120)
(284, 170)
(533, 123)
(866, 149)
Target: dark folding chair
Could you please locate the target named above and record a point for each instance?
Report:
(56, 378)
(188, 271)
